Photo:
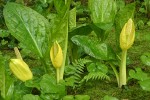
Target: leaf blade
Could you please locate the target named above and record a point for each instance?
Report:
(27, 26)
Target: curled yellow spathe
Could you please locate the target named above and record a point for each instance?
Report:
(127, 35)
(20, 69)
(56, 55)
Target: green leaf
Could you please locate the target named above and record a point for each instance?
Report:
(49, 86)
(145, 84)
(97, 67)
(28, 26)
(102, 29)
(82, 97)
(35, 82)
(49, 97)
(10, 90)
(72, 18)
(102, 11)
(101, 26)
(70, 81)
(83, 29)
(145, 58)
(31, 97)
(102, 67)
(20, 90)
(123, 15)
(62, 6)
(94, 48)
(6, 82)
(106, 97)
(68, 97)
(102, 14)
(138, 74)
(95, 76)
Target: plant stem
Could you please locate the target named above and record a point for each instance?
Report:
(116, 73)
(58, 73)
(64, 54)
(122, 76)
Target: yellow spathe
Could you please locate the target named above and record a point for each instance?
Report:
(20, 69)
(56, 55)
(127, 35)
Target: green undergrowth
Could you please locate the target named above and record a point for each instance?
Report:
(141, 46)
(132, 91)
(98, 89)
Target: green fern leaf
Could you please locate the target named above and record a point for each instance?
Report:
(95, 76)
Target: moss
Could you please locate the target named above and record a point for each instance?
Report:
(102, 88)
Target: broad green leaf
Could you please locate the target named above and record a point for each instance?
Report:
(123, 15)
(120, 4)
(145, 58)
(49, 97)
(138, 74)
(49, 86)
(94, 48)
(31, 97)
(62, 7)
(102, 11)
(145, 84)
(83, 29)
(102, 29)
(28, 26)
(6, 82)
(102, 26)
(102, 14)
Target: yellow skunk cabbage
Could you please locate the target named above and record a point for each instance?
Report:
(56, 55)
(126, 40)
(127, 35)
(20, 69)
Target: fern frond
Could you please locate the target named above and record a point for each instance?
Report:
(80, 65)
(95, 76)
(78, 70)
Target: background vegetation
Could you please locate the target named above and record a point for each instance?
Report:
(89, 41)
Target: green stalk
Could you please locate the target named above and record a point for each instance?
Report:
(116, 73)
(18, 55)
(64, 54)
(58, 72)
(122, 76)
